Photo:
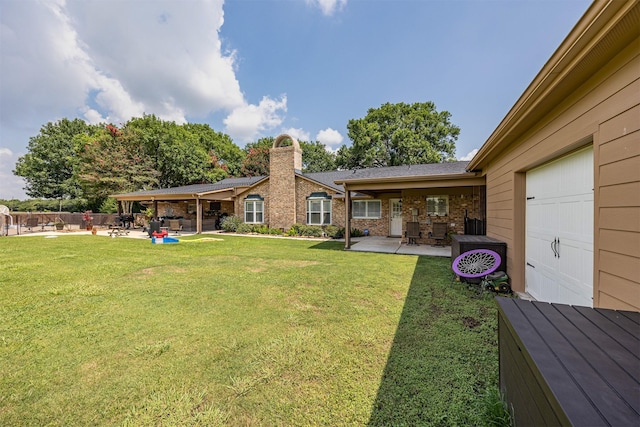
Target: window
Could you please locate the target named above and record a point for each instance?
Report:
(319, 209)
(366, 209)
(254, 209)
(438, 205)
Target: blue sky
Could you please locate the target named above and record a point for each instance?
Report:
(254, 68)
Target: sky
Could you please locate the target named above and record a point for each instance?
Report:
(257, 68)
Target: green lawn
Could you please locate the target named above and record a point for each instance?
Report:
(243, 331)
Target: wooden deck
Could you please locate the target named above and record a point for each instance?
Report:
(569, 365)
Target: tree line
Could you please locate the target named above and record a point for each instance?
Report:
(74, 160)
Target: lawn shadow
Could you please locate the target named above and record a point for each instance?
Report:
(414, 385)
(329, 245)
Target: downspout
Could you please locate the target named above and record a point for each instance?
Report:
(347, 221)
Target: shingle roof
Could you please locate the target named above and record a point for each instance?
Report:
(328, 178)
(431, 169)
(225, 184)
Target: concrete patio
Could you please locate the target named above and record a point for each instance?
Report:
(395, 245)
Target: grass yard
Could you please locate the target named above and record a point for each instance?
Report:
(242, 332)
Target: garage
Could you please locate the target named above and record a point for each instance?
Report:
(559, 230)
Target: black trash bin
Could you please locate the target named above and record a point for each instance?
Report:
(154, 226)
(461, 243)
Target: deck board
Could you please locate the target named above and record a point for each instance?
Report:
(584, 361)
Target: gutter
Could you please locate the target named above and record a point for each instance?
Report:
(408, 178)
(596, 23)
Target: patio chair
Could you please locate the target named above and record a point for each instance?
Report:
(439, 233)
(175, 226)
(413, 233)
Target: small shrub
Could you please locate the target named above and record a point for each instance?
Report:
(295, 230)
(244, 228)
(261, 229)
(274, 231)
(230, 223)
(355, 232)
(331, 231)
(311, 231)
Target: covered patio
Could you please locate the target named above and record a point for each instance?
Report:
(423, 197)
(199, 207)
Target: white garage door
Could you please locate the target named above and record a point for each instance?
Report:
(559, 240)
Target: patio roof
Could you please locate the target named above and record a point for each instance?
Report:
(216, 191)
(448, 174)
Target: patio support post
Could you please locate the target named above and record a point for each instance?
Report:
(347, 221)
(198, 216)
(155, 210)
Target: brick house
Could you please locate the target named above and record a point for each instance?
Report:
(380, 200)
(426, 194)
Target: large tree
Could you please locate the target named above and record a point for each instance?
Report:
(224, 153)
(114, 161)
(399, 134)
(256, 161)
(184, 160)
(51, 165)
(316, 158)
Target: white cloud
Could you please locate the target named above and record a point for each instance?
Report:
(110, 61)
(470, 155)
(246, 122)
(10, 185)
(328, 7)
(298, 134)
(331, 138)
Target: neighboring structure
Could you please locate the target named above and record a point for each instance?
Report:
(562, 169)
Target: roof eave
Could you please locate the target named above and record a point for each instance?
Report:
(592, 27)
(407, 178)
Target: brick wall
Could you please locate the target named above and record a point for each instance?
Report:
(376, 227)
(282, 196)
(304, 188)
(176, 209)
(460, 199)
(262, 190)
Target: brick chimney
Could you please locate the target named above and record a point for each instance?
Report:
(285, 161)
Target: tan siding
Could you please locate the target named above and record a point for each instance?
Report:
(499, 188)
(619, 149)
(625, 123)
(627, 267)
(622, 242)
(607, 301)
(623, 195)
(623, 219)
(620, 172)
(502, 196)
(497, 206)
(625, 290)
